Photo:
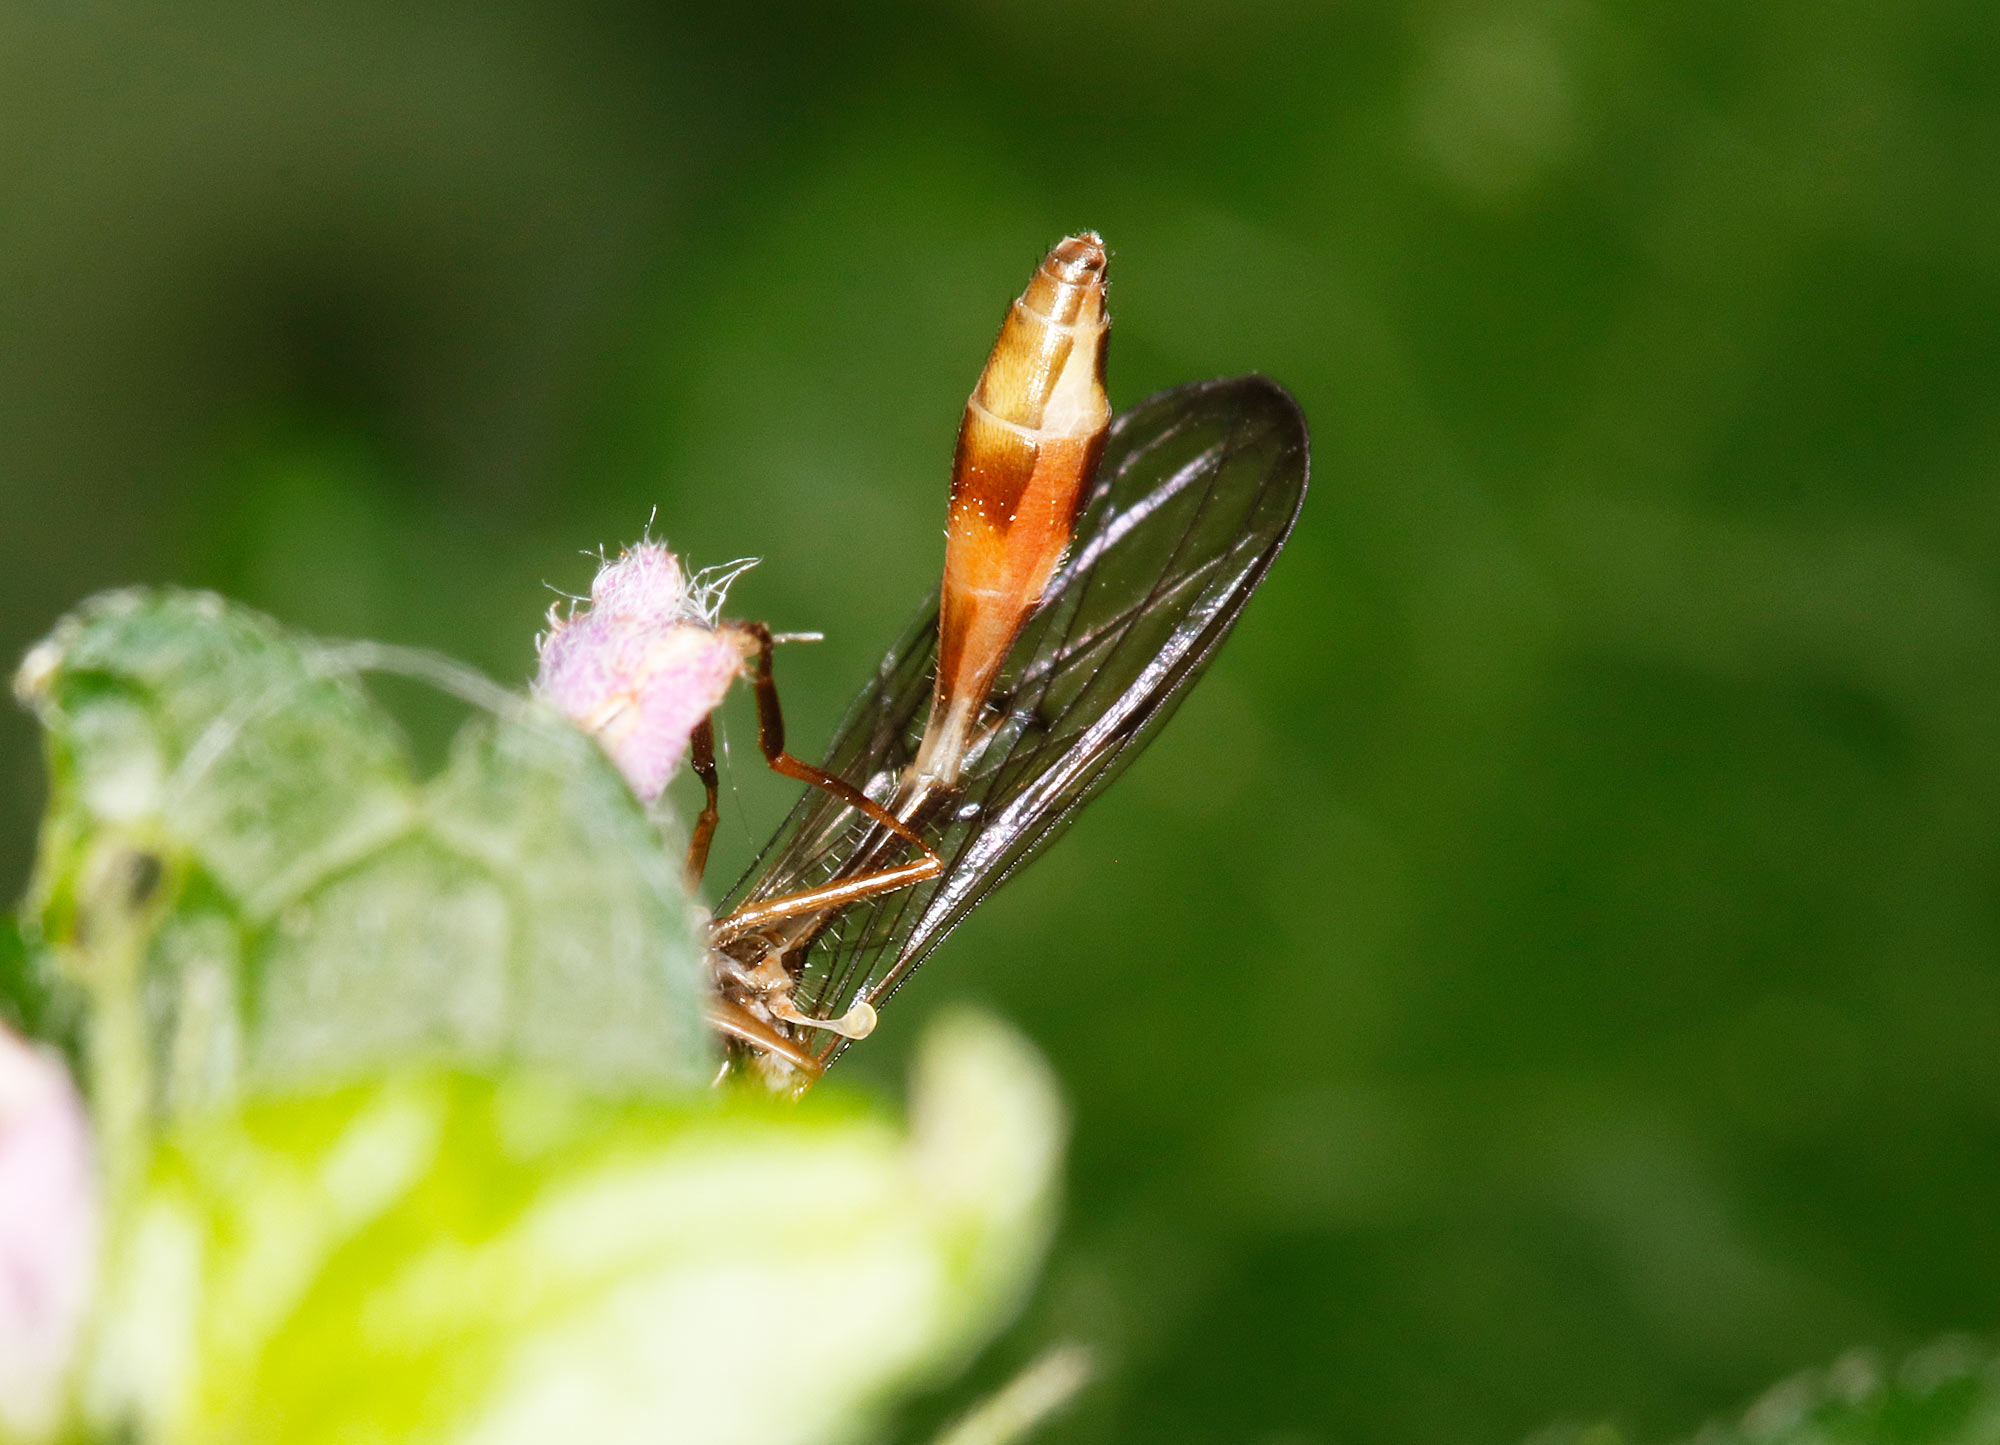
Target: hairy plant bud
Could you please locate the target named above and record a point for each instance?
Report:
(642, 663)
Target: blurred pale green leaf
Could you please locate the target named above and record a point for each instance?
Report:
(1019, 1409)
(1946, 1394)
(437, 1257)
(299, 907)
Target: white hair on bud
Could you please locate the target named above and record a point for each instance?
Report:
(709, 588)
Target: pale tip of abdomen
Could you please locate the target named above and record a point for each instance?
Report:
(1077, 258)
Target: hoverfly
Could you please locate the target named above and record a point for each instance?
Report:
(1092, 569)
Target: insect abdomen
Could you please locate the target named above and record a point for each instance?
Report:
(1032, 432)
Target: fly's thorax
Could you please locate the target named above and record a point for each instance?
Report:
(1032, 432)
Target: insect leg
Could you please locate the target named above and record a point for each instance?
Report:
(771, 739)
(701, 757)
(736, 1022)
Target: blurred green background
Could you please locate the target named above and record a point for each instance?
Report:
(1548, 972)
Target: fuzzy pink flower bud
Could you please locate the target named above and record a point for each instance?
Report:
(48, 1235)
(646, 583)
(642, 664)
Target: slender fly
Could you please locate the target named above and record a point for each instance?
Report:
(1092, 567)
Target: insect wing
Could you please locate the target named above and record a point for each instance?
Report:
(1197, 490)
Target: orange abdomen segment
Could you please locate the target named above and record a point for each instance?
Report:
(1031, 436)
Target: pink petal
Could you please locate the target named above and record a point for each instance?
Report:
(48, 1234)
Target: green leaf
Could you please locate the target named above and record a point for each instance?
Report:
(242, 868)
(436, 1257)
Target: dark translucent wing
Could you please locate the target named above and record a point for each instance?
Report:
(1194, 498)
